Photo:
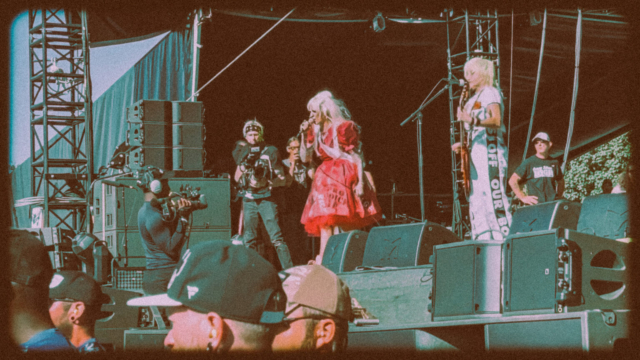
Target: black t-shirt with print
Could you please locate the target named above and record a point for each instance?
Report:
(541, 177)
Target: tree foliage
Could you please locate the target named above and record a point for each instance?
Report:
(585, 174)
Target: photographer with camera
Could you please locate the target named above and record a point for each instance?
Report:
(162, 238)
(259, 171)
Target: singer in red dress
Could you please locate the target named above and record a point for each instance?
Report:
(341, 197)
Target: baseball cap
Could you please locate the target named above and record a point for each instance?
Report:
(542, 136)
(77, 286)
(30, 262)
(230, 280)
(317, 287)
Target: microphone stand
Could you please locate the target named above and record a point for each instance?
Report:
(417, 115)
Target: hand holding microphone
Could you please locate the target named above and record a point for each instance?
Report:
(304, 126)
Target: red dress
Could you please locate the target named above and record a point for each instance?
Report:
(332, 200)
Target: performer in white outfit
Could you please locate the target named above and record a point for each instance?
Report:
(482, 115)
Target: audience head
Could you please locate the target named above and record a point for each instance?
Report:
(75, 300)
(221, 297)
(31, 273)
(318, 311)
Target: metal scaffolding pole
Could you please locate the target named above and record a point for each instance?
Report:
(60, 105)
(481, 39)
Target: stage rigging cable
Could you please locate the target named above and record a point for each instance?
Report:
(535, 95)
(197, 93)
(575, 89)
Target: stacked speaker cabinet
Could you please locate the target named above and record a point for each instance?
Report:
(165, 134)
(187, 136)
(467, 279)
(109, 212)
(563, 271)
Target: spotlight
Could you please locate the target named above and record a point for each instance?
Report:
(378, 23)
(82, 246)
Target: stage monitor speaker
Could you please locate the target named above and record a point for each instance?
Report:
(344, 251)
(467, 279)
(110, 330)
(564, 271)
(546, 216)
(404, 245)
(605, 215)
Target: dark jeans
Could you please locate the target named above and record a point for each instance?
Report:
(155, 281)
(268, 211)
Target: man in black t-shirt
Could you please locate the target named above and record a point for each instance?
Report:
(541, 174)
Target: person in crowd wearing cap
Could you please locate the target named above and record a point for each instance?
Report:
(341, 195)
(260, 170)
(482, 117)
(76, 301)
(221, 298)
(318, 311)
(542, 175)
(162, 238)
(31, 272)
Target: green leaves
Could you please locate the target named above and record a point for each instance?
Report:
(585, 174)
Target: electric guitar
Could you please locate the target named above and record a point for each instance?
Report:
(465, 166)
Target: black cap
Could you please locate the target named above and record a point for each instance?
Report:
(230, 280)
(30, 262)
(76, 286)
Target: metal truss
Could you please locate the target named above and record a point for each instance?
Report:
(60, 105)
(479, 33)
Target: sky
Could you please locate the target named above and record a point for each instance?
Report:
(108, 63)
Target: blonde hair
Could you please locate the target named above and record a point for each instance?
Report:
(482, 66)
(332, 109)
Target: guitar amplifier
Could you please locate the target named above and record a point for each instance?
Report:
(344, 251)
(404, 245)
(546, 216)
(562, 271)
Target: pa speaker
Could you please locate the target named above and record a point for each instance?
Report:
(344, 252)
(404, 245)
(605, 215)
(564, 271)
(546, 216)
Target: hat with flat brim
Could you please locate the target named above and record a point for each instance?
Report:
(233, 281)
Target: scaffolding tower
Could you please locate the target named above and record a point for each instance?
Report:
(479, 32)
(60, 105)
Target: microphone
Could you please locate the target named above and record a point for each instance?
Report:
(459, 82)
(309, 123)
(116, 184)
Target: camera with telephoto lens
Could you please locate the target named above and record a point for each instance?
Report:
(255, 168)
(187, 192)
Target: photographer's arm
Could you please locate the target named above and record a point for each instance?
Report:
(161, 234)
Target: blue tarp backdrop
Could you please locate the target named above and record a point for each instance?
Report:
(163, 74)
